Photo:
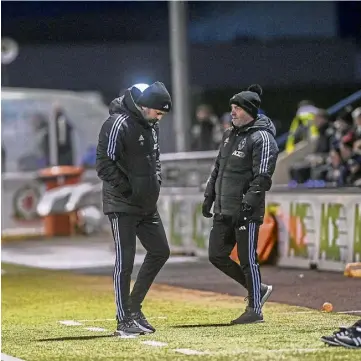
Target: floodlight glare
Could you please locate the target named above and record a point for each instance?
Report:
(141, 86)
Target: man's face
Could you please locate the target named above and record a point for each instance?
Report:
(152, 115)
(202, 114)
(239, 116)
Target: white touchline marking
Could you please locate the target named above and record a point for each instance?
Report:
(70, 323)
(188, 351)
(113, 319)
(295, 312)
(286, 350)
(315, 311)
(154, 343)
(96, 329)
(5, 357)
(98, 320)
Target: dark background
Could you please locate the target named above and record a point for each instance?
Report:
(33, 22)
(106, 46)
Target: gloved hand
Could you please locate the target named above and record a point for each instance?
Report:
(206, 207)
(242, 217)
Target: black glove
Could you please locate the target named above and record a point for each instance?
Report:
(242, 217)
(206, 207)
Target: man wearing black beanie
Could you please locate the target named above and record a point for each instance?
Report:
(237, 185)
(127, 162)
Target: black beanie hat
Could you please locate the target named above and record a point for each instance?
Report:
(156, 96)
(249, 100)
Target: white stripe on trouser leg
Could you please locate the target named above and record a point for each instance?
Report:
(117, 269)
(256, 282)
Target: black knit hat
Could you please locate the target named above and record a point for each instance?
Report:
(249, 100)
(156, 96)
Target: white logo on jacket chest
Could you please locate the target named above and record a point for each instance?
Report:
(141, 140)
(238, 153)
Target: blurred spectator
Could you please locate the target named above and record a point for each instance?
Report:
(356, 116)
(342, 125)
(226, 120)
(335, 172)
(302, 126)
(39, 157)
(64, 142)
(301, 172)
(206, 133)
(343, 139)
(64, 131)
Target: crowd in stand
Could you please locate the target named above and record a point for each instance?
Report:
(336, 159)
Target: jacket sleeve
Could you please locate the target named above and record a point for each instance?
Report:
(158, 164)
(211, 182)
(264, 155)
(109, 150)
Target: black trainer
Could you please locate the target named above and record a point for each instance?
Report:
(352, 340)
(128, 327)
(249, 316)
(331, 340)
(266, 291)
(142, 322)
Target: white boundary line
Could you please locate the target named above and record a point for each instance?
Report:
(187, 351)
(96, 329)
(285, 350)
(155, 343)
(316, 311)
(113, 319)
(70, 323)
(5, 357)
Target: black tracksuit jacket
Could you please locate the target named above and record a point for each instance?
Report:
(127, 160)
(244, 168)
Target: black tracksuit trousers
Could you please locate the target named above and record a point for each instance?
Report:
(150, 231)
(223, 238)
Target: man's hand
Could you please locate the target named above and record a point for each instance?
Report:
(206, 207)
(242, 217)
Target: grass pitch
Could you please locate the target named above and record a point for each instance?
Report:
(189, 324)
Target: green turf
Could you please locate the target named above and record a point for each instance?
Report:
(33, 301)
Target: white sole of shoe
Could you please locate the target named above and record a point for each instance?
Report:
(267, 295)
(330, 342)
(146, 330)
(247, 323)
(340, 343)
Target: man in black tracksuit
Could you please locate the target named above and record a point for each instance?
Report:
(237, 185)
(128, 164)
